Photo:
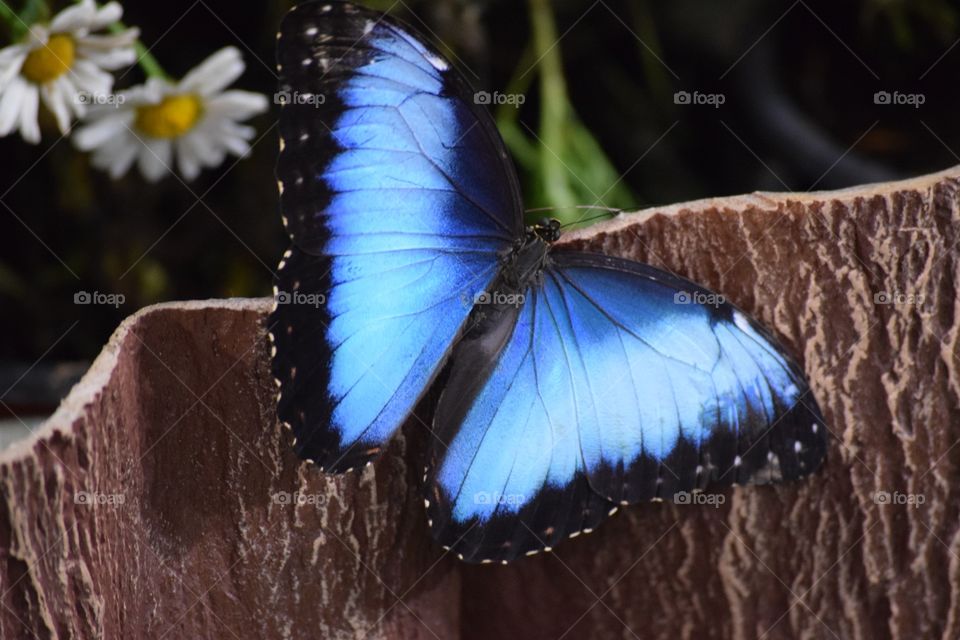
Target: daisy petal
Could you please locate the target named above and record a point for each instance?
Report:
(104, 42)
(29, 127)
(204, 147)
(237, 105)
(90, 78)
(187, 161)
(110, 58)
(10, 100)
(233, 130)
(237, 146)
(215, 73)
(37, 36)
(102, 130)
(106, 15)
(7, 54)
(74, 17)
(155, 158)
(117, 155)
(55, 98)
(10, 64)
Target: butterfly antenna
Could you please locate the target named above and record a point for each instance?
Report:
(607, 212)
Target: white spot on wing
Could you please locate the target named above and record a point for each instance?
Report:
(438, 63)
(741, 321)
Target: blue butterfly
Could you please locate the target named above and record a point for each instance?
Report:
(571, 383)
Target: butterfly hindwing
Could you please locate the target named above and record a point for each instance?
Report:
(620, 378)
(399, 200)
(491, 424)
(679, 380)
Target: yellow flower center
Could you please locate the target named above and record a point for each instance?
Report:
(50, 61)
(171, 117)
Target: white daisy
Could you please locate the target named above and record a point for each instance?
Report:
(193, 119)
(63, 63)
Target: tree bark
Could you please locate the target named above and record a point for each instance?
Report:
(162, 499)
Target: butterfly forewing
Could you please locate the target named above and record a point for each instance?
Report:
(399, 200)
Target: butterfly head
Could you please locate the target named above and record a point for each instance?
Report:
(548, 230)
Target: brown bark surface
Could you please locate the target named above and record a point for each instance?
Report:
(157, 501)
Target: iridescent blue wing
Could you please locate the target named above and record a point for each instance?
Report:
(614, 383)
(399, 198)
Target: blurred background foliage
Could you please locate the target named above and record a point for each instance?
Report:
(599, 126)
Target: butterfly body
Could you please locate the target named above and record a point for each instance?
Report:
(571, 382)
(529, 256)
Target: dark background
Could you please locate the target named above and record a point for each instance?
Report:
(798, 81)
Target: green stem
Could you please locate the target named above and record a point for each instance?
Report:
(554, 109)
(34, 11)
(525, 152)
(145, 59)
(19, 22)
(8, 14)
